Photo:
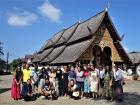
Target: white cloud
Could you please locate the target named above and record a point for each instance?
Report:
(20, 19)
(50, 11)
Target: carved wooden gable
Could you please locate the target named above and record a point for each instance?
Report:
(104, 40)
(107, 41)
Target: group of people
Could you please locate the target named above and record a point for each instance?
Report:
(71, 81)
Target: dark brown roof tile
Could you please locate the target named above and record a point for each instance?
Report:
(54, 54)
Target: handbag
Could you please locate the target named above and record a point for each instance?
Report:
(75, 94)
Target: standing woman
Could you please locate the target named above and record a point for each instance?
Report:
(53, 77)
(80, 79)
(15, 90)
(101, 81)
(65, 81)
(76, 67)
(72, 73)
(94, 82)
(86, 82)
(108, 79)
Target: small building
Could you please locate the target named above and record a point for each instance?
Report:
(94, 40)
(27, 59)
(135, 58)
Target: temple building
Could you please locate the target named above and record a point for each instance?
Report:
(135, 58)
(94, 40)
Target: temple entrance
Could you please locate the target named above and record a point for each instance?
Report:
(106, 56)
(97, 53)
(101, 57)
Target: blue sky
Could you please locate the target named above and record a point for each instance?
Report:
(26, 24)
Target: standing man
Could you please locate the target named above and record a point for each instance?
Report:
(26, 73)
(118, 88)
(59, 81)
(26, 76)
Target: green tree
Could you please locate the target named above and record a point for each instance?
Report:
(15, 63)
(2, 62)
(1, 49)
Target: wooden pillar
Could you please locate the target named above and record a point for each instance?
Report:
(112, 59)
(112, 64)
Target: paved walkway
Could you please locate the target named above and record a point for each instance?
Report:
(131, 97)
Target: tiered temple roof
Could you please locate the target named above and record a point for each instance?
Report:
(69, 44)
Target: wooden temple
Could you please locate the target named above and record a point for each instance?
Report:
(94, 40)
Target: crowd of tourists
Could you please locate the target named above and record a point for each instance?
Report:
(78, 81)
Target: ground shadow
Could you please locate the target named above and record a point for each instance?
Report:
(4, 90)
(130, 99)
(5, 73)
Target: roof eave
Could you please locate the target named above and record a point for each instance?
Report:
(113, 26)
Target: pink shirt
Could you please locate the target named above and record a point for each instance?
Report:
(86, 74)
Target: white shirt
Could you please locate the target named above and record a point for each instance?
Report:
(101, 74)
(118, 75)
(62, 68)
(129, 71)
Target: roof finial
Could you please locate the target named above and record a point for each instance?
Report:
(107, 6)
(80, 19)
(106, 9)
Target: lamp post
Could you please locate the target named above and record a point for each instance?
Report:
(7, 61)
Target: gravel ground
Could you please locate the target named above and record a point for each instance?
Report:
(131, 96)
